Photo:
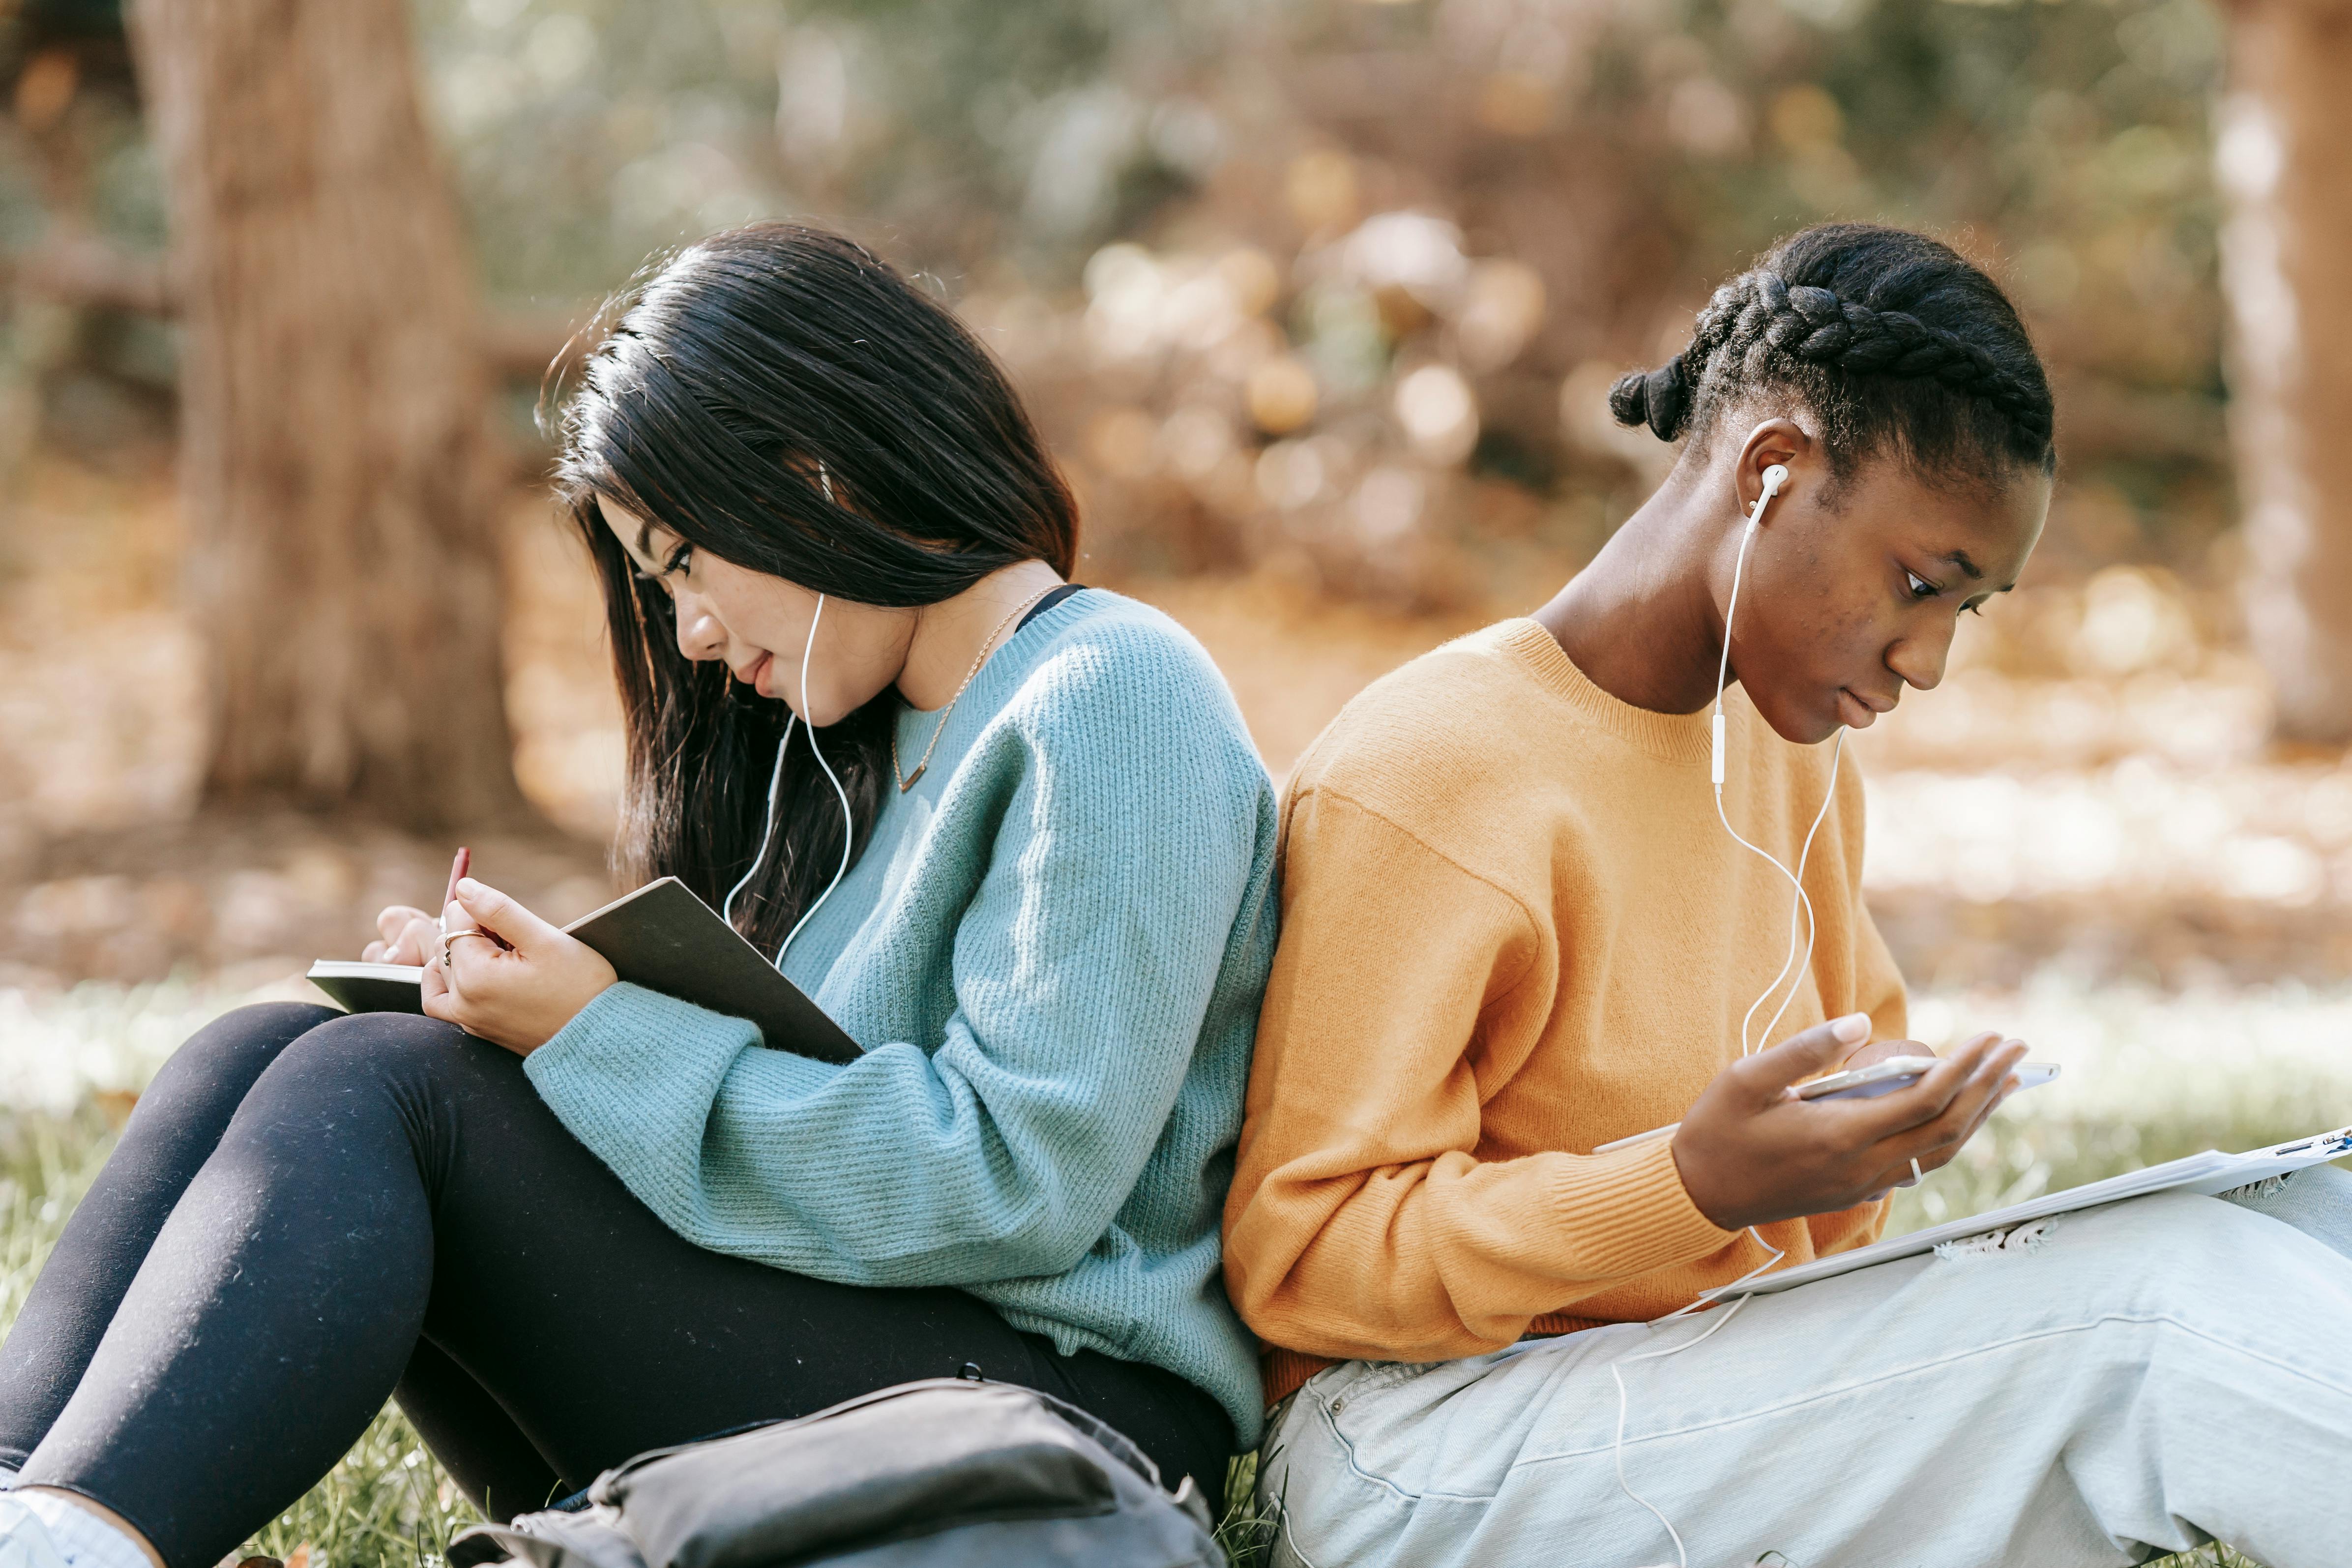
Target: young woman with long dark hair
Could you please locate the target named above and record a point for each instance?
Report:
(1010, 833)
(1446, 1222)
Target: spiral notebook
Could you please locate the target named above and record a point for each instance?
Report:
(661, 937)
(2211, 1171)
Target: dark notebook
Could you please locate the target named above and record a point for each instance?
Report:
(661, 937)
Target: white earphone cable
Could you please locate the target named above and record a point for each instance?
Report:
(848, 820)
(1801, 901)
(775, 777)
(1774, 478)
(767, 822)
(1617, 1372)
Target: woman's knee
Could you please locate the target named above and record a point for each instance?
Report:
(2317, 1201)
(2208, 1263)
(369, 1046)
(211, 1072)
(410, 1062)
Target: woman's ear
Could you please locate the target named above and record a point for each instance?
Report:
(1776, 442)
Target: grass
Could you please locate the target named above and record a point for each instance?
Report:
(389, 1503)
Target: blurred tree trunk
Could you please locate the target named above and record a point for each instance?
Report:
(2285, 154)
(337, 471)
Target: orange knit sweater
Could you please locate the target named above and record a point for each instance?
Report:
(1512, 930)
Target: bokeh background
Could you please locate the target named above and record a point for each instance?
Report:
(1319, 300)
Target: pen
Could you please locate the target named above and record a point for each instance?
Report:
(457, 869)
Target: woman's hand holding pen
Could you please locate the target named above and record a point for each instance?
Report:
(502, 972)
(1750, 1152)
(409, 934)
(514, 980)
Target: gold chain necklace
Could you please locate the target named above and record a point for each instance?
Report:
(907, 781)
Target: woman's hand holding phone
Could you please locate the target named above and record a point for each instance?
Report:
(1750, 1152)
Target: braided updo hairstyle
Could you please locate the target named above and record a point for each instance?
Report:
(1895, 344)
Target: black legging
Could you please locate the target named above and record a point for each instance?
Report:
(319, 1209)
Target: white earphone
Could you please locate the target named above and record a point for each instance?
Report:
(1774, 478)
(775, 777)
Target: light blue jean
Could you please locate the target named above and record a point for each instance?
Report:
(2152, 1376)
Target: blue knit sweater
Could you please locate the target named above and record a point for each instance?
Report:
(1052, 951)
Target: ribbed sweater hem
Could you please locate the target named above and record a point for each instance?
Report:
(1285, 1372)
(1641, 1206)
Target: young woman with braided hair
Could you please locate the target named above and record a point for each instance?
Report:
(1514, 931)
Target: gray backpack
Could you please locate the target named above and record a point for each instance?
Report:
(924, 1474)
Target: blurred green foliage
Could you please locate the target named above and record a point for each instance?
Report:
(2066, 141)
(1625, 157)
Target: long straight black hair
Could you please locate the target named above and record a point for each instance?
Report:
(745, 368)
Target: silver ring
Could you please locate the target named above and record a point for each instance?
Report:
(1916, 1176)
(449, 936)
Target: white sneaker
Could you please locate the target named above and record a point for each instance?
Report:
(24, 1541)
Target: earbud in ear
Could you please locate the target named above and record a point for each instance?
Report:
(1774, 478)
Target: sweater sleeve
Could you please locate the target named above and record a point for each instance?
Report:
(1082, 970)
(1361, 1222)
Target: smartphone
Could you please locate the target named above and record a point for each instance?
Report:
(1862, 1083)
(1902, 1072)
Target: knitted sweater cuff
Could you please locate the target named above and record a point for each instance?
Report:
(629, 1041)
(1635, 1216)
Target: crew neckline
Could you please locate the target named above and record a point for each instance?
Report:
(1669, 737)
(1053, 598)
